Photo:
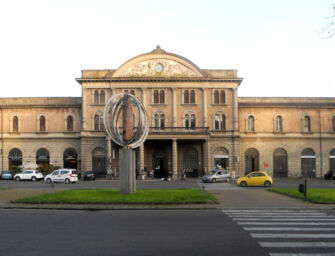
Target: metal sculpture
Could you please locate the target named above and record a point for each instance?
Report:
(126, 133)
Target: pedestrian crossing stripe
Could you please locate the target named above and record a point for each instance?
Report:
(278, 229)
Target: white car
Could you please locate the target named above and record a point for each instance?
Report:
(28, 175)
(62, 175)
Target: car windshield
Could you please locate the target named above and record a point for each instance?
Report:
(212, 172)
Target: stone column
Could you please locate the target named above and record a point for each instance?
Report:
(235, 109)
(208, 155)
(174, 108)
(204, 107)
(83, 109)
(141, 153)
(174, 159)
(109, 153)
(143, 97)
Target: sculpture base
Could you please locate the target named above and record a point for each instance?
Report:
(127, 171)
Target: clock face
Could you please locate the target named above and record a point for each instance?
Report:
(159, 67)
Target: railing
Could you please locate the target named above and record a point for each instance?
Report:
(179, 130)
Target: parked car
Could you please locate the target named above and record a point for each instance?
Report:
(217, 175)
(330, 175)
(62, 175)
(259, 178)
(7, 175)
(89, 175)
(32, 175)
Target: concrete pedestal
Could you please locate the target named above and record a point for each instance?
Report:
(127, 171)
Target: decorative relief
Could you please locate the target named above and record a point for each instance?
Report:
(158, 68)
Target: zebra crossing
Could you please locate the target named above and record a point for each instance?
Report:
(289, 232)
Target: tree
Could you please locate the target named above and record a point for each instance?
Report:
(328, 27)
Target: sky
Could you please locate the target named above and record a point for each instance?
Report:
(274, 44)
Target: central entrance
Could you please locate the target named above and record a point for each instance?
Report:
(160, 164)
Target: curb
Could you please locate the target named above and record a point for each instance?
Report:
(106, 207)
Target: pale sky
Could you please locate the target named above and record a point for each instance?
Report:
(274, 44)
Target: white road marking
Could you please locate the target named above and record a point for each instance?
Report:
(286, 219)
(298, 244)
(288, 223)
(286, 229)
(302, 254)
(290, 235)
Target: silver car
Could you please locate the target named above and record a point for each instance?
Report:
(217, 175)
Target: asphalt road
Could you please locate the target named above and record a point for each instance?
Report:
(156, 183)
(141, 232)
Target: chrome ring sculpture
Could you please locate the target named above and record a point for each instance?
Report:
(112, 112)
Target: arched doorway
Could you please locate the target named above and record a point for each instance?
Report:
(221, 158)
(70, 158)
(332, 159)
(308, 163)
(251, 160)
(14, 158)
(279, 163)
(160, 164)
(99, 162)
(190, 162)
(42, 157)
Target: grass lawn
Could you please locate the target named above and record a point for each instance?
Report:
(113, 196)
(315, 195)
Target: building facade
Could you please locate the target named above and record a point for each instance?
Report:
(197, 122)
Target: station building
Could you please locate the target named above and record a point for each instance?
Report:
(197, 122)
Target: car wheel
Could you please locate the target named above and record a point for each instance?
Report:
(17, 179)
(244, 184)
(267, 183)
(67, 181)
(48, 181)
(228, 179)
(33, 178)
(213, 180)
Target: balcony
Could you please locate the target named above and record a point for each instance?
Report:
(178, 130)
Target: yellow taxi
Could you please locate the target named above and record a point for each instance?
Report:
(259, 178)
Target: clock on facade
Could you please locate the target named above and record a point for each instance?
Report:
(159, 67)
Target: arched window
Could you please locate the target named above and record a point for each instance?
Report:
(187, 121)
(15, 124)
(306, 125)
(96, 97)
(186, 97)
(96, 122)
(216, 97)
(42, 124)
(193, 121)
(192, 96)
(70, 158)
(222, 97)
(251, 124)
(162, 121)
(308, 163)
(279, 124)
(69, 124)
(156, 98)
(102, 97)
(162, 97)
(42, 156)
(333, 124)
(223, 122)
(102, 126)
(220, 122)
(14, 158)
(156, 121)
